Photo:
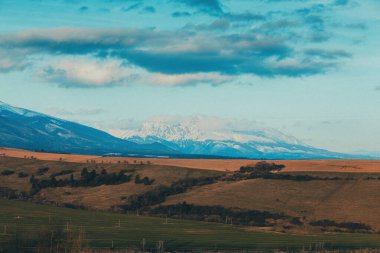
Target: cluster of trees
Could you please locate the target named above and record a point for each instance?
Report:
(62, 173)
(145, 180)
(372, 178)
(9, 193)
(7, 172)
(42, 171)
(258, 170)
(217, 214)
(87, 179)
(159, 194)
(267, 170)
(351, 226)
(22, 174)
(262, 168)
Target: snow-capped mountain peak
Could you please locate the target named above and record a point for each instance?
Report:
(176, 131)
(200, 128)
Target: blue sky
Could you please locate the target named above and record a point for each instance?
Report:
(306, 68)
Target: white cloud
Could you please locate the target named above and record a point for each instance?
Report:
(88, 72)
(187, 79)
(83, 72)
(10, 61)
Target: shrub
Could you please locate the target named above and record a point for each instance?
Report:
(23, 174)
(42, 171)
(352, 226)
(62, 172)
(7, 172)
(145, 180)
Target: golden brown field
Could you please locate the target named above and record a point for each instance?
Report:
(354, 197)
(338, 165)
(342, 200)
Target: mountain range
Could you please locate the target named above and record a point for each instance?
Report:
(22, 128)
(194, 137)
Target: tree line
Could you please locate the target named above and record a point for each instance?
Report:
(87, 179)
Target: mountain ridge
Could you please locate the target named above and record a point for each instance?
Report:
(23, 128)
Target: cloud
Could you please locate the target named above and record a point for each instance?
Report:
(357, 26)
(219, 24)
(327, 54)
(319, 37)
(178, 14)
(377, 88)
(74, 72)
(187, 79)
(149, 9)
(132, 7)
(341, 2)
(172, 52)
(12, 61)
(83, 9)
(82, 72)
(213, 7)
(243, 17)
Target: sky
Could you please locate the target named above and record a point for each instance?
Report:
(309, 68)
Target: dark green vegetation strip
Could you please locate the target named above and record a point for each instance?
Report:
(102, 228)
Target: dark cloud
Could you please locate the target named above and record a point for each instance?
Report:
(316, 23)
(213, 7)
(149, 9)
(83, 9)
(178, 14)
(341, 2)
(244, 16)
(132, 7)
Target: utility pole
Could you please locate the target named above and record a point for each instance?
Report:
(143, 242)
(118, 225)
(18, 217)
(5, 229)
(160, 246)
(166, 220)
(51, 241)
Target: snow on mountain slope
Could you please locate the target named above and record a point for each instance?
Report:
(214, 136)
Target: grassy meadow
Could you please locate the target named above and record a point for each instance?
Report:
(102, 230)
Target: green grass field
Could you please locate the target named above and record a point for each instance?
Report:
(102, 228)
